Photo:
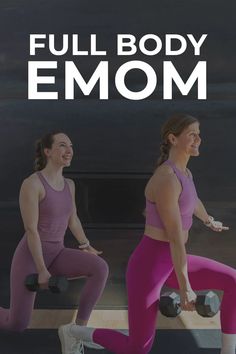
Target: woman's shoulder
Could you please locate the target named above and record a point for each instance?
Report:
(32, 180)
(162, 176)
(31, 186)
(71, 185)
(70, 182)
(189, 173)
(163, 171)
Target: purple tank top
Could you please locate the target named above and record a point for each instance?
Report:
(54, 212)
(187, 202)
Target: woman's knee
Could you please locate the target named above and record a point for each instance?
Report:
(230, 282)
(101, 268)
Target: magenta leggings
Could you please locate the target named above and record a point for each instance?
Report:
(59, 261)
(150, 267)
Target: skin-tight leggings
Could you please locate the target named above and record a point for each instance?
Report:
(150, 267)
(59, 260)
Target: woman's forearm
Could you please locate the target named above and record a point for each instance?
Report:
(35, 248)
(77, 231)
(200, 212)
(179, 259)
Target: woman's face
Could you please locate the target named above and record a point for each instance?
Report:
(189, 140)
(61, 152)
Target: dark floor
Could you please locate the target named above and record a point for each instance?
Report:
(166, 342)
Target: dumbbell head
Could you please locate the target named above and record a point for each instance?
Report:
(58, 284)
(31, 282)
(207, 304)
(169, 304)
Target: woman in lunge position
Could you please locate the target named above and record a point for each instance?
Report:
(171, 201)
(47, 203)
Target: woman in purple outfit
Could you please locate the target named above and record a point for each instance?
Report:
(47, 204)
(160, 257)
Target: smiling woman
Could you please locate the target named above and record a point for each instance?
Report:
(47, 204)
(56, 146)
(160, 257)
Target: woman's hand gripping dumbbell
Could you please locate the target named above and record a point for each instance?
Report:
(207, 304)
(56, 284)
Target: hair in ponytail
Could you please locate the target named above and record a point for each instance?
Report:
(164, 148)
(174, 125)
(44, 143)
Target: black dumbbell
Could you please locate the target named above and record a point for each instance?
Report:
(56, 284)
(169, 304)
(207, 304)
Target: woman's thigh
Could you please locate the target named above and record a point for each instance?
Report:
(74, 263)
(205, 273)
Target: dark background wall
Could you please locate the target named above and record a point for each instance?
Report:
(116, 142)
(118, 135)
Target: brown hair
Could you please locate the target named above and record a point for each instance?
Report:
(174, 125)
(43, 143)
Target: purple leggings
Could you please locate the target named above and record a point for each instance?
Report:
(150, 267)
(59, 261)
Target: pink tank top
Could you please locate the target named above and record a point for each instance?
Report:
(187, 202)
(54, 212)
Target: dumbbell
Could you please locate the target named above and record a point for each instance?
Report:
(56, 284)
(207, 304)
